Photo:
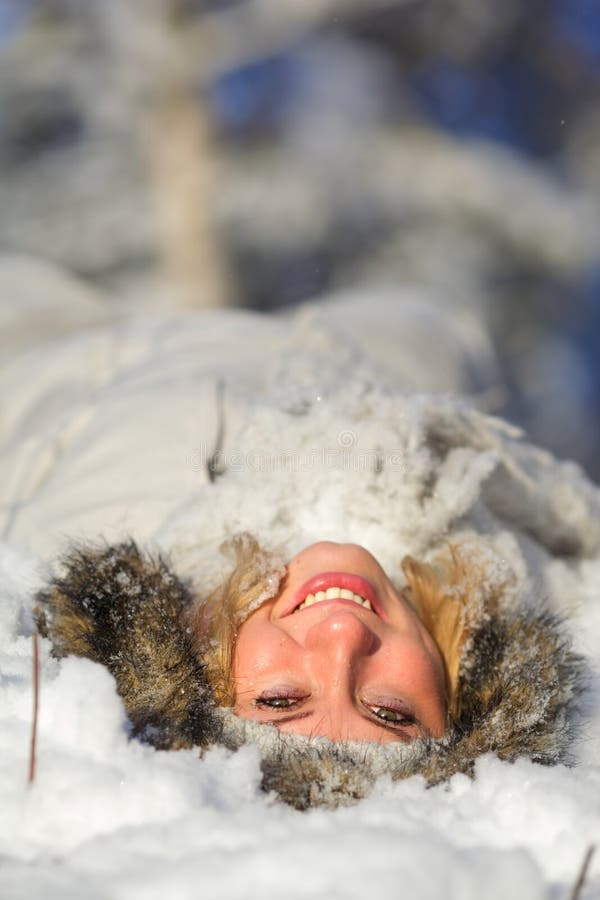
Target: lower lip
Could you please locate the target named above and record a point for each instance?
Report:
(325, 580)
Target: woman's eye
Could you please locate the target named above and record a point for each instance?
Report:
(392, 715)
(276, 702)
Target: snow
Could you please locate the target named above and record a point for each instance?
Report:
(109, 818)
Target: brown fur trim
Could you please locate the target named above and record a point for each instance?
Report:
(121, 608)
(516, 689)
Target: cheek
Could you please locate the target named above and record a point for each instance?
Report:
(261, 648)
(419, 672)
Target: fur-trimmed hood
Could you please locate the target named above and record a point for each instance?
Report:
(400, 475)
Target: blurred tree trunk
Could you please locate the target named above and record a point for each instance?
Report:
(148, 39)
(180, 155)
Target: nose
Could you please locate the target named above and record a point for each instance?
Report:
(336, 645)
(341, 635)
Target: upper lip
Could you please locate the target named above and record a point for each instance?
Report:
(355, 583)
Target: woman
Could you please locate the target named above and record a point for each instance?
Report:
(382, 681)
(472, 541)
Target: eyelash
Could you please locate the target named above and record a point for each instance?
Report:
(283, 702)
(404, 719)
(276, 703)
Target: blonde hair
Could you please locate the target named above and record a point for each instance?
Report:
(445, 596)
(442, 594)
(255, 578)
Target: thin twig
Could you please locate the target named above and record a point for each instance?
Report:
(214, 464)
(577, 887)
(36, 697)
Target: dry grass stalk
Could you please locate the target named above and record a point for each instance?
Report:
(36, 697)
(578, 886)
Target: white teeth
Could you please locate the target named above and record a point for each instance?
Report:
(334, 593)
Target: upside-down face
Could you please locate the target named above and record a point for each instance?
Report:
(340, 653)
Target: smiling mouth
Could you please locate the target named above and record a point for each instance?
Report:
(332, 587)
(334, 593)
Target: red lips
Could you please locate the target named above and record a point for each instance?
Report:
(324, 580)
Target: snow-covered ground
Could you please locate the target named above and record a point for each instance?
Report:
(102, 433)
(109, 818)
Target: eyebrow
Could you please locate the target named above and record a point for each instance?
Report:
(282, 721)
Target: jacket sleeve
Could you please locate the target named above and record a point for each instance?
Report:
(120, 607)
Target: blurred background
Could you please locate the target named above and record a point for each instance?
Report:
(179, 154)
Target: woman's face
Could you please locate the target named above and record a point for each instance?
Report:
(339, 653)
